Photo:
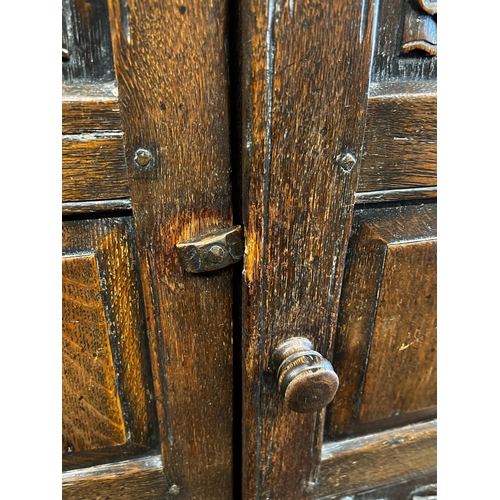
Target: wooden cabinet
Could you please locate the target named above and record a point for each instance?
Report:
(313, 126)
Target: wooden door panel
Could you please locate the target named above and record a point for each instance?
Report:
(401, 372)
(306, 101)
(108, 410)
(385, 351)
(171, 63)
(92, 415)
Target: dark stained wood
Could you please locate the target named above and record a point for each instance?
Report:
(107, 392)
(420, 28)
(418, 486)
(129, 480)
(376, 459)
(396, 195)
(304, 81)
(389, 61)
(305, 69)
(171, 66)
(385, 353)
(86, 42)
(400, 144)
(88, 207)
(401, 373)
(93, 167)
(90, 107)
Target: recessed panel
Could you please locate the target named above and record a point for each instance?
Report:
(92, 414)
(401, 371)
(108, 404)
(385, 349)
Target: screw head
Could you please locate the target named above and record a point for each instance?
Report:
(347, 162)
(215, 255)
(142, 157)
(174, 490)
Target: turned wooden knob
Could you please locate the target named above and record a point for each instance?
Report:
(305, 378)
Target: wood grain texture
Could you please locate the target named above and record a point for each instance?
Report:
(90, 107)
(401, 374)
(129, 480)
(377, 459)
(305, 68)
(385, 353)
(171, 66)
(120, 340)
(86, 41)
(92, 415)
(93, 167)
(417, 486)
(90, 458)
(400, 143)
(389, 62)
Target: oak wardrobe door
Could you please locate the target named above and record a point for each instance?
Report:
(338, 111)
(148, 352)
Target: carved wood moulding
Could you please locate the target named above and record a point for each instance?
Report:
(420, 28)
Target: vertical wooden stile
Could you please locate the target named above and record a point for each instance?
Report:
(305, 76)
(171, 68)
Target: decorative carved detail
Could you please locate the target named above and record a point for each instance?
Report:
(428, 6)
(420, 29)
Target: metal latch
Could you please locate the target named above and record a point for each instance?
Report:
(212, 251)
